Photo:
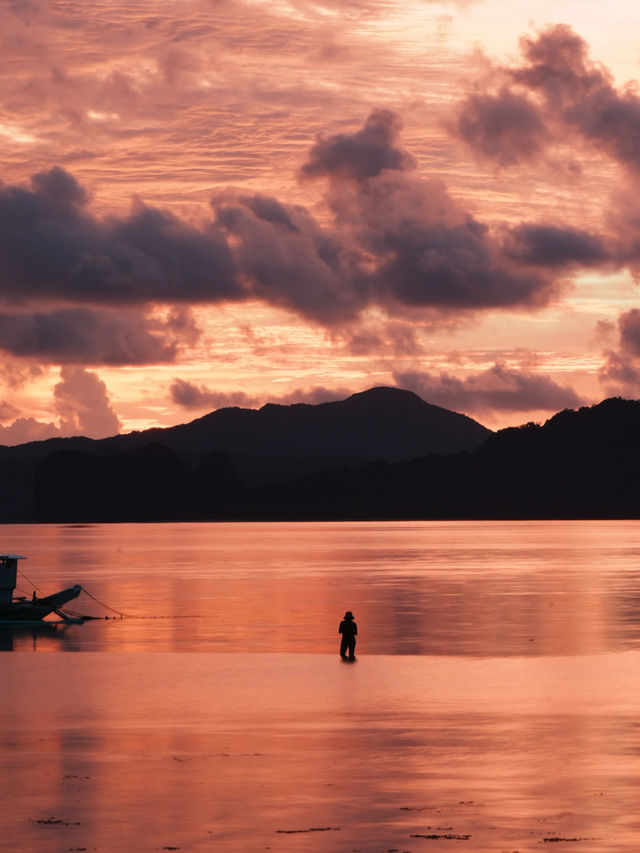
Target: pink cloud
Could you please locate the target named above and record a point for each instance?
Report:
(620, 373)
(83, 405)
(557, 92)
(199, 397)
(498, 388)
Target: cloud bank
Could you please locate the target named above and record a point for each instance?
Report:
(81, 405)
(395, 241)
(194, 397)
(556, 90)
(496, 389)
(620, 373)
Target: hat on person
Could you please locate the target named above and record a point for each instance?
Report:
(348, 615)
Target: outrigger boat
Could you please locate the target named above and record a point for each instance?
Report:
(22, 609)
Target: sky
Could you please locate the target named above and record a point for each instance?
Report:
(211, 203)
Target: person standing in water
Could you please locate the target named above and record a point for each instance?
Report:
(348, 629)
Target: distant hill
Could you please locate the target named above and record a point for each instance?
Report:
(276, 442)
(579, 464)
(65, 478)
(373, 457)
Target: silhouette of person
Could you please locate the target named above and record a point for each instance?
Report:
(348, 629)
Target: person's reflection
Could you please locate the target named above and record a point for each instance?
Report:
(348, 629)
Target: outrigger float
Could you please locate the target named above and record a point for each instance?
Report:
(23, 610)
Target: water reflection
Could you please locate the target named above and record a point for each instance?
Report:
(493, 588)
(48, 636)
(243, 752)
(494, 700)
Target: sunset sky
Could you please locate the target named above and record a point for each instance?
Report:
(225, 202)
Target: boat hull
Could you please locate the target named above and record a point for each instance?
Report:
(23, 610)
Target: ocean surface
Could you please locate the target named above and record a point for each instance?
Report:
(494, 704)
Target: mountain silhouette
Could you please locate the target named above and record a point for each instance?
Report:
(579, 464)
(274, 444)
(278, 442)
(374, 459)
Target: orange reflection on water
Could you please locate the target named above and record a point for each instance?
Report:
(495, 695)
(243, 752)
(491, 588)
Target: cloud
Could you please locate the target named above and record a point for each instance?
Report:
(17, 375)
(198, 397)
(288, 259)
(8, 411)
(83, 405)
(23, 430)
(396, 338)
(629, 327)
(620, 373)
(582, 93)
(396, 240)
(507, 127)
(360, 155)
(425, 250)
(557, 91)
(51, 246)
(498, 388)
(86, 336)
(553, 246)
(191, 396)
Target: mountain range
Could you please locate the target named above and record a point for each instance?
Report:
(383, 453)
(274, 444)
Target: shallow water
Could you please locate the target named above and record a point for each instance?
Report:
(474, 588)
(493, 707)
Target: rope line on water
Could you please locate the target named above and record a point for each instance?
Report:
(120, 613)
(106, 606)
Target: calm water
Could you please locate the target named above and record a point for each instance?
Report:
(494, 705)
(475, 588)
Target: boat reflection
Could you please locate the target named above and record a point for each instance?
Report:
(43, 636)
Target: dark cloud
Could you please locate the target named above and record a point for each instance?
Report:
(83, 405)
(51, 246)
(450, 267)
(289, 260)
(620, 373)
(17, 374)
(507, 127)
(498, 388)
(360, 155)
(418, 246)
(85, 336)
(557, 66)
(396, 241)
(192, 396)
(59, 190)
(314, 396)
(553, 246)
(629, 327)
(376, 339)
(582, 92)
(556, 91)
(427, 250)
